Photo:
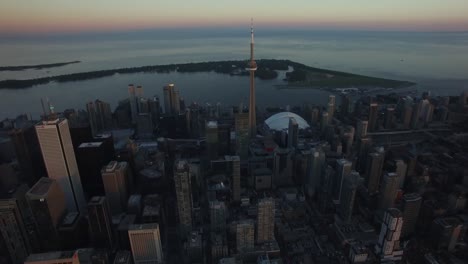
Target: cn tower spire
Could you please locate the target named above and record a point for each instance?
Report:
(252, 67)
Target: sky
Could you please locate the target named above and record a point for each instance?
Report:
(55, 16)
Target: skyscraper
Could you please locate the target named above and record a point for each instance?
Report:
(361, 129)
(115, 179)
(99, 115)
(315, 169)
(59, 158)
(242, 133)
(100, 223)
(13, 232)
(252, 67)
(48, 206)
(331, 108)
(388, 247)
(212, 139)
(245, 232)
(324, 121)
(293, 131)
(390, 186)
(171, 99)
(411, 207)
(374, 168)
(266, 220)
(348, 195)
(235, 176)
(373, 116)
(28, 153)
(133, 102)
(343, 169)
(145, 241)
(183, 186)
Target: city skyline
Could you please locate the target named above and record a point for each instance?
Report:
(88, 16)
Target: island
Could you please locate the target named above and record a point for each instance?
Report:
(36, 67)
(297, 76)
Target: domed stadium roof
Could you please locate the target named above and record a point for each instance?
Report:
(280, 121)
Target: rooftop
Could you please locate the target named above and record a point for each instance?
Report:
(280, 121)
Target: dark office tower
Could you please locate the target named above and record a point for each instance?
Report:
(445, 233)
(373, 116)
(91, 156)
(212, 141)
(99, 115)
(234, 169)
(115, 179)
(411, 207)
(144, 124)
(28, 153)
(390, 186)
(13, 231)
(293, 133)
(315, 116)
(182, 104)
(416, 115)
(283, 166)
(389, 116)
(242, 134)
(182, 181)
(400, 170)
(217, 215)
(266, 220)
(171, 100)
(315, 169)
(155, 110)
(143, 105)
(343, 169)
(224, 139)
(331, 108)
(348, 195)
(325, 120)
(374, 168)
(100, 223)
(361, 131)
(364, 145)
(59, 158)
(48, 206)
(407, 113)
(133, 102)
(345, 104)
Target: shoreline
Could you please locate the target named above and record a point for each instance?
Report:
(37, 67)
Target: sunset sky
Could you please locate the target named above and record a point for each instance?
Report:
(51, 16)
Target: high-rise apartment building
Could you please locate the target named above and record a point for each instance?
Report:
(100, 223)
(245, 233)
(115, 179)
(266, 220)
(59, 158)
(145, 241)
(48, 206)
(182, 181)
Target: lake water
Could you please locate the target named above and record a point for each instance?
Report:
(438, 62)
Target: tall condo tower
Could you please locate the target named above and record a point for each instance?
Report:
(252, 67)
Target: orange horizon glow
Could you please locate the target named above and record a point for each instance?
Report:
(60, 16)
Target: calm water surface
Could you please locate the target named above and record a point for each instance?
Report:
(436, 61)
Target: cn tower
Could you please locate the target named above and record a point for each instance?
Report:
(252, 67)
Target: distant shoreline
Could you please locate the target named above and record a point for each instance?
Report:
(36, 67)
(302, 75)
